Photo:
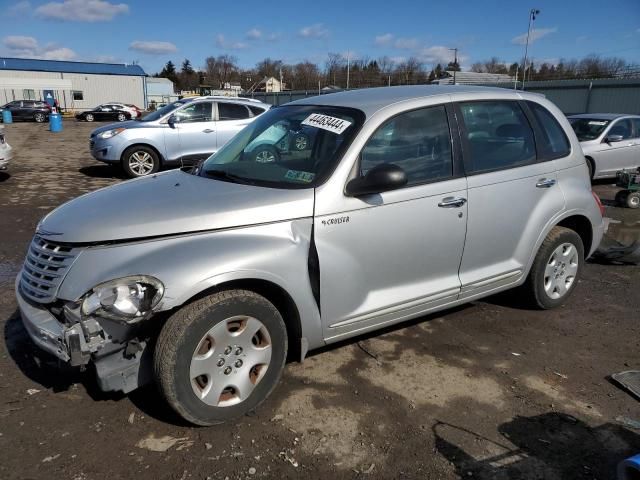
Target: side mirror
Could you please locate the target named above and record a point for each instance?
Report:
(382, 178)
(613, 138)
(172, 120)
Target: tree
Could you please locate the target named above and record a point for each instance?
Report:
(186, 67)
(188, 78)
(169, 71)
(438, 71)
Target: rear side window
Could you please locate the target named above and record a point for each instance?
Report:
(256, 110)
(418, 141)
(554, 143)
(498, 136)
(232, 111)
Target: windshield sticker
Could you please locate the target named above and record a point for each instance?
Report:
(326, 122)
(597, 122)
(305, 177)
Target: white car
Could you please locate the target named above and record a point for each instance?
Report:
(5, 150)
(132, 109)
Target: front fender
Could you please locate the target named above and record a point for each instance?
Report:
(191, 263)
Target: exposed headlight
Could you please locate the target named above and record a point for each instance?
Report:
(128, 298)
(111, 133)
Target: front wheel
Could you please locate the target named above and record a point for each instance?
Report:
(265, 154)
(139, 161)
(555, 270)
(89, 117)
(220, 357)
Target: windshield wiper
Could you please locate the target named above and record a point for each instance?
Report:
(226, 176)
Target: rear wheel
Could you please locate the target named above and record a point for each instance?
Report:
(122, 117)
(555, 270)
(39, 117)
(139, 161)
(220, 357)
(633, 200)
(621, 197)
(590, 167)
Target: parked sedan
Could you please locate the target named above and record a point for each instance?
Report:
(104, 113)
(127, 107)
(5, 151)
(36, 110)
(610, 142)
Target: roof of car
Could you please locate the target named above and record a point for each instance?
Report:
(246, 101)
(602, 116)
(370, 100)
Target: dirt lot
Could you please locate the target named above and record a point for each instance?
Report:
(485, 391)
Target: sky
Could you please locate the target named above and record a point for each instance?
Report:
(150, 32)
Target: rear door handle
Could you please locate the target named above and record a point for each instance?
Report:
(452, 202)
(545, 183)
(208, 130)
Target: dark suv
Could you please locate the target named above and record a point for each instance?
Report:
(28, 110)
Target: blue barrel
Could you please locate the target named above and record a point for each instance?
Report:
(6, 116)
(629, 469)
(55, 122)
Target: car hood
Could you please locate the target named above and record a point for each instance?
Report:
(127, 124)
(169, 203)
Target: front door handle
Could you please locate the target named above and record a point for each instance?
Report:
(545, 183)
(452, 202)
(208, 130)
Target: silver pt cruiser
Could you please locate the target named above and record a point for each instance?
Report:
(407, 200)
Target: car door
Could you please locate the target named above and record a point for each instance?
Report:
(616, 155)
(18, 110)
(394, 255)
(231, 118)
(511, 195)
(196, 129)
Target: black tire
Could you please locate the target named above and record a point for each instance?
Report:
(39, 117)
(89, 117)
(183, 333)
(621, 197)
(122, 117)
(590, 167)
(533, 290)
(128, 164)
(264, 152)
(633, 200)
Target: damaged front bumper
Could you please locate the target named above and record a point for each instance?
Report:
(119, 367)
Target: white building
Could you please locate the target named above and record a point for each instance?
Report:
(76, 85)
(160, 92)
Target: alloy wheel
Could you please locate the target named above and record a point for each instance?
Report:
(141, 163)
(265, 156)
(39, 117)
(230, 360)
(561, 270)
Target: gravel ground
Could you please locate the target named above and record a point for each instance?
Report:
(487, 391)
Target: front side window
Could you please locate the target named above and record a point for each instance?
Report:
(161, 112)
(286, 147)
(418, 141)
(554, 143)
(498, 136)
(232, 111)
(636, 124)
(623, 128)
(195, 112)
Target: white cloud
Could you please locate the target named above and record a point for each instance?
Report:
(254, 34)
(28, 47)
(153, 47)
(383, 40)
(406, 43)
(439, 54)
(317, 30)
(536, 34)
(223, 43)
(19, 9)
(82, 10)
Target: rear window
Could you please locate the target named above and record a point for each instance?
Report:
(554, 143)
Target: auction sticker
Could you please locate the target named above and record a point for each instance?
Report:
(326, 122)
(305, 177)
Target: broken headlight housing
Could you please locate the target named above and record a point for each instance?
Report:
(126, 299)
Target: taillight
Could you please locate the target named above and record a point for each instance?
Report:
(598, 202)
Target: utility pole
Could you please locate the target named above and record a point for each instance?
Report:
(455, 63)
(348, 68)
(532, 16)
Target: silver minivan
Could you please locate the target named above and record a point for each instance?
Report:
(179, 134)
(405, 201)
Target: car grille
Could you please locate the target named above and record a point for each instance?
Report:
(44, 268)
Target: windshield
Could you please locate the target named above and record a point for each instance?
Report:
(588, 128)
(161, 112)
(286, 147)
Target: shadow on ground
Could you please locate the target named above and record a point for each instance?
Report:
(4, 176)
(552, 445)
(103, 171)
